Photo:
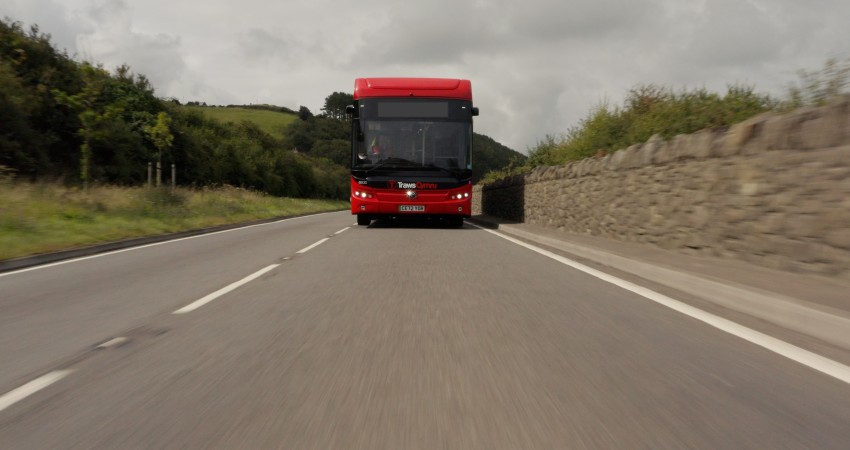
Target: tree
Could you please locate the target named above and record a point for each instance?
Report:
(17, 138)
(92, 112)
(33, 68)
(337, 151)
(160, 134)
(304, 113)
(335, 105)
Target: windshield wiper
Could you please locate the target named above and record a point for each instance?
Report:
(389, 162)
(444, 169)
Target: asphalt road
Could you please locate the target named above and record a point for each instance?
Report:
(396, 336)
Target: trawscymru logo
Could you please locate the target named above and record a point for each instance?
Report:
(411, 185)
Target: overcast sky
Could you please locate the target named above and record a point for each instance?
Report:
(537, 66)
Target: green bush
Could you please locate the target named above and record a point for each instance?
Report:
(646, 111)
(818, 87)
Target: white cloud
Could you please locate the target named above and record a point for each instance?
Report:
(51, 16)
(114, 41)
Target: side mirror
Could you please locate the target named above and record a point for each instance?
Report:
(349, 110)
(474, 111)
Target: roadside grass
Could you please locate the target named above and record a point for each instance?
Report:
(42, 218)
(272, 122)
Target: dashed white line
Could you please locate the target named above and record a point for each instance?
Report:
(14, 396)
(113, 342)
(342, 231)
(203, 301)
(311, 247)
(792, 352)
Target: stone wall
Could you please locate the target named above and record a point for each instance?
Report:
(773, 190)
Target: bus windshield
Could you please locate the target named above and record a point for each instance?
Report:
(413, 134)
(414, 144)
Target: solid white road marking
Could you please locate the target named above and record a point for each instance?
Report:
(83, 258)
(792, 352)
(203, 301)
(311, 247)
(341, 231)
(14, 396)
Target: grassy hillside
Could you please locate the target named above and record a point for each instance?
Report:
(272, 122)
(41, 218)
(491, 156)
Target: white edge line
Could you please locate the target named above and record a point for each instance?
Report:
(83, 258)
(792, 352)
(14, 396)
(203, 301)
(307, 249)
(342, 231)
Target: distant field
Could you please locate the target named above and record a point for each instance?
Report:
(272, 122)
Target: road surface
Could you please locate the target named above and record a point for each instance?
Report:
(313, 333)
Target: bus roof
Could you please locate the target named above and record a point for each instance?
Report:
(413, 87)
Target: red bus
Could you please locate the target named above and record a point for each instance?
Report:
(411, 149)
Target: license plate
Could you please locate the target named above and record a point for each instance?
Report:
(414, 208)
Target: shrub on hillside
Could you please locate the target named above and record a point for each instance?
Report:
(817, 88)
(646, 111)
